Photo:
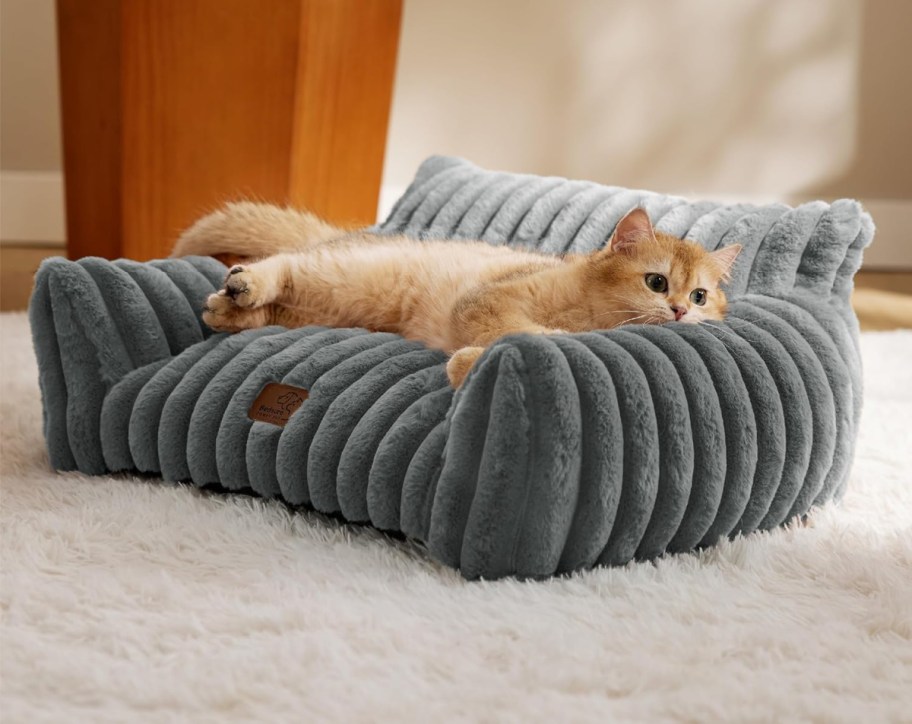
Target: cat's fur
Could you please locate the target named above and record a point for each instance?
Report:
(459, 296)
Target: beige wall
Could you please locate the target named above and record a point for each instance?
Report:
(880, 165)
(29, 113)
(759, 98)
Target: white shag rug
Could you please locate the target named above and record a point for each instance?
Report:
(124, 599)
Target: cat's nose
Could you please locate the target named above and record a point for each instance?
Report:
(678, 311)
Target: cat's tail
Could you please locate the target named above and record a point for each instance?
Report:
(248, 229)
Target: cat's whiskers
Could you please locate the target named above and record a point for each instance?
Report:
(625, 299)
(621, 298)
(630, 319)
(656, 319)
(618, 311)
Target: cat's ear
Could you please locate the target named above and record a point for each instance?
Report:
(632, 229)
(724, 259)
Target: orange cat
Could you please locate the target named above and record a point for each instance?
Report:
(458, 296)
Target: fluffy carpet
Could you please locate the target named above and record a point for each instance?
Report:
(126, 599)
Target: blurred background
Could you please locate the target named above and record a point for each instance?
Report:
(756, 100)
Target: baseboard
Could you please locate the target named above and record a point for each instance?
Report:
(32, 208)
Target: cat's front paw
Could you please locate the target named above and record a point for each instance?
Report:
(243, 287)
(218, 312)
(223, 315)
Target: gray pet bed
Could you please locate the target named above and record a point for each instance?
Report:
(559, 453)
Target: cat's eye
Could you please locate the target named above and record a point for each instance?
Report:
(698, 297)
(657, 283)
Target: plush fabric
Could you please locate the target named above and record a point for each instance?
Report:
(558, 453)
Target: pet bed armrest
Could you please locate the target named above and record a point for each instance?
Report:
(571, 450)
(93, 322)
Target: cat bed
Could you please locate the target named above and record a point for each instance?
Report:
(557, 454)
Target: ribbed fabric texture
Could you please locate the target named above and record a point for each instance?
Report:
(558, 453)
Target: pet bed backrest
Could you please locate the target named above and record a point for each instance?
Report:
(814, 247)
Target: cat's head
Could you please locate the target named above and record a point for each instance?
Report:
(649, 277)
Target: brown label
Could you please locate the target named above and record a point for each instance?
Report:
(276, 403)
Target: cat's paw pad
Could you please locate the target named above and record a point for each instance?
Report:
(242, 286)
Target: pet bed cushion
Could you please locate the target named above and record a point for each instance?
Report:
(558, 453)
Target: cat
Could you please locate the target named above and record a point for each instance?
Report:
(458, 296)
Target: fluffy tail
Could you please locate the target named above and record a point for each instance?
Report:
(247, 229)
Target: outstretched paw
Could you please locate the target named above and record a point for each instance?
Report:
(223, 315)
(243, 287)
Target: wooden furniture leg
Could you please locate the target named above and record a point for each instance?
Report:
(172, 107)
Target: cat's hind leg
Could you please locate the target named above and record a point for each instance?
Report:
(461, 362)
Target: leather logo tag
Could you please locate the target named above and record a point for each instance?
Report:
(276, 403)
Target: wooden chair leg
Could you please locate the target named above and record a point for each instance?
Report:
(172, 107)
